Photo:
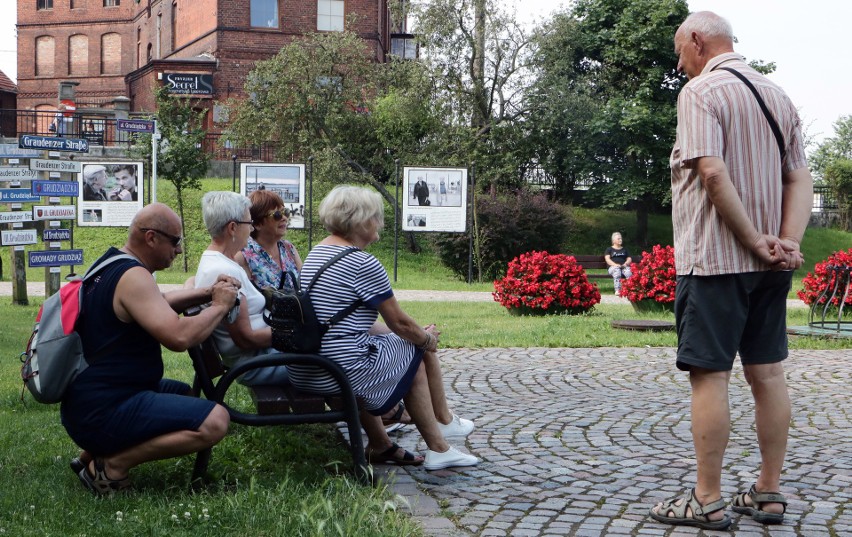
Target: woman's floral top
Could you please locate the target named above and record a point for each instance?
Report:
(265, 272)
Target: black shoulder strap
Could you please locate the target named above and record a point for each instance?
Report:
(772, 123)
(329, 263)
(342, 314)
(94, 269)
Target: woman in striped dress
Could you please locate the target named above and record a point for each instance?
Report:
(384, 362)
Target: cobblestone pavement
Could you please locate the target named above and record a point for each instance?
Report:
(584, 441)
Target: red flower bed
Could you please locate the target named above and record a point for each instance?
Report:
(654, 277)
(821, 278)
(539, 282)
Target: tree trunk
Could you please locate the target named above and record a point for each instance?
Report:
(184, 244)
(642, 221)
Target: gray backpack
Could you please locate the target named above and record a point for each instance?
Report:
(54, 355)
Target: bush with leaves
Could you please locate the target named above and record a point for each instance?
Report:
(654, 277)
(540, 283)
(508, 227)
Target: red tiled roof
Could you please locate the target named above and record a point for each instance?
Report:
(6, 84)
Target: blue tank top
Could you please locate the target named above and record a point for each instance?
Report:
(126, 359)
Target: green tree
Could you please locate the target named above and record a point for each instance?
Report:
(833, 148)
(623, 58)
(326, 96)
(181, 158)
(838, 176)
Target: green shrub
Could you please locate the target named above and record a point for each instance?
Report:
(508, 227)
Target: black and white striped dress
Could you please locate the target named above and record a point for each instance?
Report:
(380, 368)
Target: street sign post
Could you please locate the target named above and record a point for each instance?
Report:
(55, 188)
(47, 165)
(135, 125)
(53, 143)
(18, 195)
(55, 258)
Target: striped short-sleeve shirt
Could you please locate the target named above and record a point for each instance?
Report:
(718, 116)
(374, 364)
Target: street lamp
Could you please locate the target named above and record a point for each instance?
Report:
(234, 182)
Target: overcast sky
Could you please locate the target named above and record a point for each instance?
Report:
(803, 37)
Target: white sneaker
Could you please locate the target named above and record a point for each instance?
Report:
(448, 459)
(457, 427)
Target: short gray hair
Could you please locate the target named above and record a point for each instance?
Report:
(219, 208)
(92, 170)
(348, 209)
(708, 24)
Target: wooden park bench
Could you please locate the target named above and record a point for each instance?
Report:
(277, 405)
(597, 262)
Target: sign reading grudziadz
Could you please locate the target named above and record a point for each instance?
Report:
(56, 188)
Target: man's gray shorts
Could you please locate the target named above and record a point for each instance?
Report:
(718, 316)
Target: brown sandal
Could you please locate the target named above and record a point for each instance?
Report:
(738, 504)
(389, 456)
(100, 483)
(698, 516)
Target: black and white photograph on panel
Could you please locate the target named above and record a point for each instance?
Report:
(286, 180)
(435, 199)
(111, 190)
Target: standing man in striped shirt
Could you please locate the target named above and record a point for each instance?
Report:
(741, 199)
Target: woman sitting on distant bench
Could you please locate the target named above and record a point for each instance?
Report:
(618, 260)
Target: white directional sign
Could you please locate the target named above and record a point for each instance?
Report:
(18, 236)
(45, 165)
(54, 212)
(15, 216)
(12, 172)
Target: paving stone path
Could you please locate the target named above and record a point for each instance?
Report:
(583, 441)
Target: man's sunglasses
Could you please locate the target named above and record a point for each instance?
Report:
(172, 239)
(279, 214)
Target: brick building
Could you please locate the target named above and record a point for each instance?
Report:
(111, 50)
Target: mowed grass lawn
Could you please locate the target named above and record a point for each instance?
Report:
(280, 481)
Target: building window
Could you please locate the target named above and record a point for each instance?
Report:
(76, 4)
(264, 13)
(111, 54)
(78, 55)
(330, 15)
(45, 51)
(112, 3)
(149, 55)
(44, 4)
(138, 48)
(174, 26)
(159, 50)
(404, 46)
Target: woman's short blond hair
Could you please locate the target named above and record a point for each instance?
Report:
(347, 210)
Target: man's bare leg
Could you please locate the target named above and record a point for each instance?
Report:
(772, 420)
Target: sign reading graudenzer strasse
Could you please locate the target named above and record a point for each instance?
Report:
(12, 172)
(54, 212)
(53, 258)
(15, 216)
(45, 165)
(52, 143)
(15, 237)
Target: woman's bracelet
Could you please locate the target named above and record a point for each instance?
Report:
(426, 344)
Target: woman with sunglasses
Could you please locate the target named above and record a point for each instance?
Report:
(227, 219)
(267, 256)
